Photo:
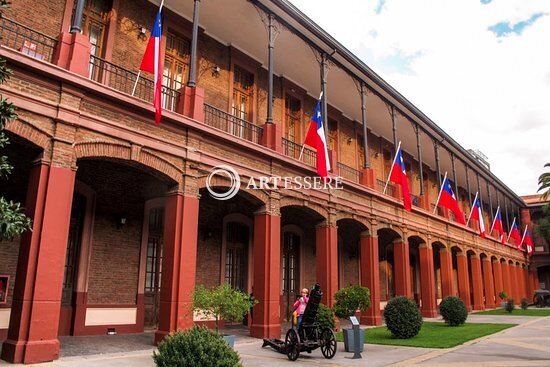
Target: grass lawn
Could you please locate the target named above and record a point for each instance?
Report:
(516, 312)
(433, 335)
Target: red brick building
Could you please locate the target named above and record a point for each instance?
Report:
(541, 255)
(117, 202)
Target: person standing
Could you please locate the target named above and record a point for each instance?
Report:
(300, 305)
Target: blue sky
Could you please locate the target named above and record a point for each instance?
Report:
(479, 68)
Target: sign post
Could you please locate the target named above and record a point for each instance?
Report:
(356, 338)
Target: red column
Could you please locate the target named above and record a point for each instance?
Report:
(179, 264)
(427, 281)
(463, 280)
(514, 282)
(370, 278)
(402, 269)
(73, 53)
(446, 260)
(327, 261)
(32, 335)
(477, 283)
(526, 291)
(506, 279)
(536, 276)
(499, 284)
(266, 321)
(488, 283)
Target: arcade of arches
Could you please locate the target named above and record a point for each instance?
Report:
(121, 243)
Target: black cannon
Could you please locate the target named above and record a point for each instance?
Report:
(307, 336)
(542, 298)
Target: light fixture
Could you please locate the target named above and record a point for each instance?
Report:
(350, 140)
(142, 32)
(216, 71)
(121, 221)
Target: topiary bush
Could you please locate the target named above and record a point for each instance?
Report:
(453, 311)
(325, 318)
(403, 318)
(509, 305)
(196, 347)
(524, 303)
(350, 299)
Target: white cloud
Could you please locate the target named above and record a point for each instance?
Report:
(490, 93)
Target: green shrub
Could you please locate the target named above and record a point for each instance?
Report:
(524, 303)
(222, 302)
(502, 295)
(453, 311)
(351, 299)
(509, 305)
(325, 318)
(196, 347)
(403, 318)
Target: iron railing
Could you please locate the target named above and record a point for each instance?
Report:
(27, 40)
(389, 191)
(291, 149)
(233, 125)
(124, 80)
(415, 200)
(349, 173)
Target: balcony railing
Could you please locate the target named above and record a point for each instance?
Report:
(291, 149)
(124, 80)
(235, 126)
(389, 191)
(26, 40)
(349, 173)
(415, 200)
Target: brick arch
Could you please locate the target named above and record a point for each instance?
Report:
(221, 181)
(293, 201)
(348, 216)
(29, 132)
(125, 151)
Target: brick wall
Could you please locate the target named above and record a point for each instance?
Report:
(42, 15)
(8, 264)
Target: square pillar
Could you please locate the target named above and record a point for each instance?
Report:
(427, 282)
(272, 137)
(477, 283)
(327, 261)
(370, 278)
(532, 285)
(266, 322)
(512, 269)
(36, 307)
(498, 282)
(402, 268)
(179, 264)
(73, 53)
(368, 178)
(463, 280)
(191, 103)
(506, 279)
(488, 283)
(446, 261)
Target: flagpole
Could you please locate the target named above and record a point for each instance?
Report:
(472, 210)
(494, 220)
(440, 190)
(523, 237)
(514, 221)
(304, 144)
(393, 164)
(139, 71)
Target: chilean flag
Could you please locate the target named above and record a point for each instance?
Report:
(514, 233)
(448, 200)
(477, 214)
(497, 226)
(398, 175)
(316, 138)
(152, 63)
(528, 241)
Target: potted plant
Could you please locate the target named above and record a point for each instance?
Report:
(348, 301)
(222, 303)
(503, 296)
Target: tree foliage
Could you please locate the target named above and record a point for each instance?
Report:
(544, 183)
(542, 225)
(13, 221)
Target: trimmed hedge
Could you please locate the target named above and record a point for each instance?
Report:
(403, 318)
(325, 318)
(196, 347)
(453, 311)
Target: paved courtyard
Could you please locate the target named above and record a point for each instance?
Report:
(525, 345)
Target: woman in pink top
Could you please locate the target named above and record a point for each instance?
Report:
(300, 305)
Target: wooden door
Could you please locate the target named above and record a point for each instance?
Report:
(291, 272)
(153, 268)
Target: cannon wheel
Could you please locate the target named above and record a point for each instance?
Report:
(292, 344)
(328, 343)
